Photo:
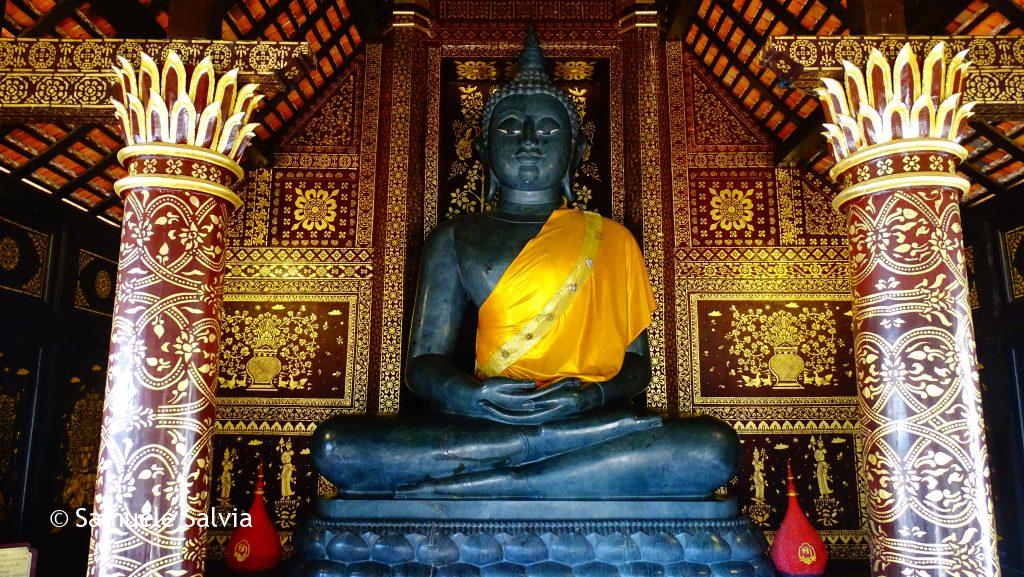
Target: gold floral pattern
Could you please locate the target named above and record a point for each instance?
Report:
(731, 209)
(476, 70)
(574, 70)
(315, 209)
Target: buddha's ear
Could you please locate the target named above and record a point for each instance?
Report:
(492, 183)
(492, 186)
(579, 145)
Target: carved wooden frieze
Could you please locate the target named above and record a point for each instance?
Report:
(995, 80)
(47, 79)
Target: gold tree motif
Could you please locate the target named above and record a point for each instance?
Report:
(759, 334)
(290, 338)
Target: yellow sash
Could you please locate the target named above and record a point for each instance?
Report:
(568, 305)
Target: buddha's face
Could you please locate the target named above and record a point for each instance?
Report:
(529, 142)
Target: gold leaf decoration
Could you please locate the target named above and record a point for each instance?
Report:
(169, 106)
(899, 101)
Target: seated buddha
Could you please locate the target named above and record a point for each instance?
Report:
(562, 301)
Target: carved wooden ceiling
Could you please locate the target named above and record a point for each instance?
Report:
(78, 163)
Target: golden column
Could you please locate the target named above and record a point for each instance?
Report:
(184, 135)
(404, 119)
(893, 130)
(647, 200)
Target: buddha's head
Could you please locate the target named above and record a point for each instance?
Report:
(531, 138)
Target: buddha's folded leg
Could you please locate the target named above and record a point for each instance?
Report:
(375, 456)
(689, 457)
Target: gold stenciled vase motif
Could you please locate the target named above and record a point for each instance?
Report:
(786, 366)
(893, 129)
(185, 133)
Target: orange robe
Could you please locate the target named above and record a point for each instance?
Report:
(568, 305)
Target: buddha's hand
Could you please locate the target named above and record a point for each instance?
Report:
(517, 402)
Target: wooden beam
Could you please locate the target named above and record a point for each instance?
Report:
(1011, 11)
(369, 18)
(50, 153)
(998, 139)
(39, 103)
(765, 91)
(130, 19)
(876, 17)
(49, 21)
(90, 173)
(994, 87)
(802, 142)
(196, 18)
(976, 175)
(680, 15)
(930, 16)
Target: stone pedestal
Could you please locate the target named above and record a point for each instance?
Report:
(529, 538)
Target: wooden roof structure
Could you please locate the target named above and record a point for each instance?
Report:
(78, 163)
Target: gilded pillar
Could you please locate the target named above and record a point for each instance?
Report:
(405, 77)
(643, 63)
(893, 129)
(185, 134)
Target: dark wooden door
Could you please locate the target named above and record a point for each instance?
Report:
(994, 237)
(57, 274)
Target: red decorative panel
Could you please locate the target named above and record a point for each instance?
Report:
(825, 461)
(296, 355)
(733, 207)
(763, 308)
(312, 208)
(772, 348)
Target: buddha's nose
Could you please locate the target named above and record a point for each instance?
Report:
(529, 134)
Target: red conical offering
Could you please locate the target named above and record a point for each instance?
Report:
(797, 548)
(256, 547)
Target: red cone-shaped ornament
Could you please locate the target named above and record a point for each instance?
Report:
(797, 549)
(256, 547)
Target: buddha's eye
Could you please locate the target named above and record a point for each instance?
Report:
(511, 126)
(547, 126)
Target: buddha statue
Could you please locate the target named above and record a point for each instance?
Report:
(562, 301)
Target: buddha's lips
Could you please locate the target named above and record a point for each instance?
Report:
(528, 157)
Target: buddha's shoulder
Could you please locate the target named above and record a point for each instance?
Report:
(451, 230)
(461, 224)
(615, 229)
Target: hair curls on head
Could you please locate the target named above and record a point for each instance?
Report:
(531, 78)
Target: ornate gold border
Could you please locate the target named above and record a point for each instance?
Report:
(857, 537)
(693, 366)
(903, 180)
(908, 145)
(509, 50)
(172, 150)
(43, 274)
(406, 43)
(82, 263)
(177, 182)
(368, 145)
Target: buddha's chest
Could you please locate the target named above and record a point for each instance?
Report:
(485, 249)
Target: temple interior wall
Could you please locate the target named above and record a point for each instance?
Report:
(755, 324)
